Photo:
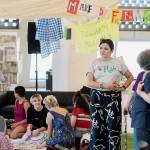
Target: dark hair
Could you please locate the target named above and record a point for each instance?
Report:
(20, 90)
(87, 97)
(81, 102)
(109, 42)
(143, 59)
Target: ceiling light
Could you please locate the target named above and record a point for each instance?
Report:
(11, 23)
(6, 24)
(2, 19)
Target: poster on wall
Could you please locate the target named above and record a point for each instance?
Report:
(10, 54)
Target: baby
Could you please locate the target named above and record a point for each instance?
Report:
(5, 143)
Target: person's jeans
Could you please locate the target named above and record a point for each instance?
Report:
(79, 134)
(143, 135)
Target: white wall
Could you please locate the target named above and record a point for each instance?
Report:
(69, 68)
(60, 68)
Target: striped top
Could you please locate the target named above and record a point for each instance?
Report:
(83, 120)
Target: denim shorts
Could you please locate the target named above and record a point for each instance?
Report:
(79, 134)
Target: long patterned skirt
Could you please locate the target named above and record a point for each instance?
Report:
(105, 111)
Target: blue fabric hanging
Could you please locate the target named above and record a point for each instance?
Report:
(49, 32)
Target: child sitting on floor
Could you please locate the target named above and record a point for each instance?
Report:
(5, 143)
(36, 119)
(80, 118)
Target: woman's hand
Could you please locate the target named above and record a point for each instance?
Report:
(120, 88)
(29, 132)
(114, 86)
(14, 125)
(139, 87)
(125, 109)
(35, 132)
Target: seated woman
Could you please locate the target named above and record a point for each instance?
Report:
(18, 128)
(58, 119)
(5, 143)
(80, 118)
(36, 117)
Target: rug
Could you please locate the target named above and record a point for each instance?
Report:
(18, 144)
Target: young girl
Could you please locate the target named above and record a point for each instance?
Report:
(80, 118)
(58, 119)
(5, 143)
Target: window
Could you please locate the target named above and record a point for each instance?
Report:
(130, 50)
(43, 65)
(9, 23)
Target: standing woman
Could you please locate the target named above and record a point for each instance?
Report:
(141, 110)
(103, 77)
